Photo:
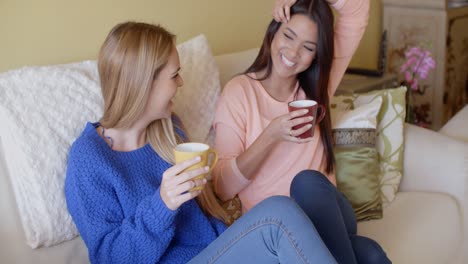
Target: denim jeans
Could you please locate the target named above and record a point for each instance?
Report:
(274, 231)
(334, 219)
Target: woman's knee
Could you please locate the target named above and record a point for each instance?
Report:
(309, 182)
(368, 251)
(279, 204)
(277, 201)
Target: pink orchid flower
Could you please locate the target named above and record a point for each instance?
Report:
(417, 66)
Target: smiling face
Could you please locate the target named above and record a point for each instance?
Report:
(164, 88)
(294, 46)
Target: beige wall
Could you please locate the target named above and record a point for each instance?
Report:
(366, 55)
(62, 31)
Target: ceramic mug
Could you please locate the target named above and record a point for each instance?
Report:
(186, 151)
(312, 106)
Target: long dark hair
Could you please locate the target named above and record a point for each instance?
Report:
(314, 80)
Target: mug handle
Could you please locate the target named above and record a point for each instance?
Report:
(322, 113)
(215, 159)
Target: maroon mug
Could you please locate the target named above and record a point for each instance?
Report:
(312, 106)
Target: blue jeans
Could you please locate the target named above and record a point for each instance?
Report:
(334, 219)
(274, 231)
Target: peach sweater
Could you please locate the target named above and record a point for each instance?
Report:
(245, 109)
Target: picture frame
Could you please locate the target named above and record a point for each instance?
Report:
(379, 70)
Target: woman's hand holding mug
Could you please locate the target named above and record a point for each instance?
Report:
(177, 182)
(187, 178)
(315, 110)
(282, 127)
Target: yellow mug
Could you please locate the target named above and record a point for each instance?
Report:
(186, 151)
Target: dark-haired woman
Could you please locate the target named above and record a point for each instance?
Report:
(303, 56)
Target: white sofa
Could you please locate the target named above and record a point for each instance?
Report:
(426, 223)
(457, 126)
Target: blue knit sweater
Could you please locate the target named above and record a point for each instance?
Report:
(114, 200)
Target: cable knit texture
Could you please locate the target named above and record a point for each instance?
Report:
(114, 200)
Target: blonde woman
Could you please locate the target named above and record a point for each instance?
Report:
(131, 205)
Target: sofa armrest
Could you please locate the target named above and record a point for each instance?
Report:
(437, 163)
(434, 162)
(457, 126)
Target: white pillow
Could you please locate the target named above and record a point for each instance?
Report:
(195, 101)
(43, 110)
(364, 116)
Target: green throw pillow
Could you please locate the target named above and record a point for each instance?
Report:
(357, 159)
(390, 125)
(357, 176)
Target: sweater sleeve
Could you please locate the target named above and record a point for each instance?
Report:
(112, 237)
(352, 19)
(230, 128)
(218, 225)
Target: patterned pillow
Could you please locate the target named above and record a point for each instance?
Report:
(357, 158)
(233, 208)
(390, 124)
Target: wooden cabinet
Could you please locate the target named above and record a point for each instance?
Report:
(441, 25)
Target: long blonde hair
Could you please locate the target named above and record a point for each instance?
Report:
(132, 55)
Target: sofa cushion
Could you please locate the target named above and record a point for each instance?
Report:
(418, 227)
